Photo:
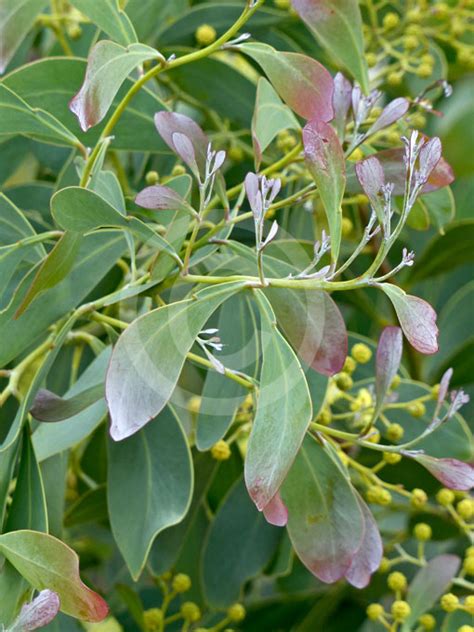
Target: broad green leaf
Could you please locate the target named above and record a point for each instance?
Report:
(148, 496)
(17, 117)
(283, 414)
(445, 252)
(110, 18)
(89, 508)
(337, 25)
(430, 582)
(325, 522)
(54, 268)
(439, 207)
(148, 358)
(301, 82)
(148, 15)
(46, 562)
(221, 397)
(81, 210)
(326, 163)
(17, 17)
(51, 83)
(108, 66)
(52, 408)
(417, 318)
(239, 545)
(270, 117)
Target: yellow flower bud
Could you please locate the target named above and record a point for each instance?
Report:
(205, 35)
(74, 31)
(236, 612)
(427, 622)
(285, 140)
(152, 177)
(424, 71)
(400, 611)
(378, 495)
(410, 42)
(384, 565)
(469, 604)
(324, 417)
(416, 409)
(466, 628)
(190, 611)
(435, 391)
(465, 508)
(356, 155)
(441, 10)
(152, 619)
(449, 602)
(221, 451)
(178, 170)
(397, 581)
(350, 365)
(346, 226)
(391, 20)
(427, 58)
(194, 404)
(374, 436)
(394, 78)
(396, 382)
(374, 611)
(361, 353)
(413, 15)
(392, 458)
(344, 381)
(371, 59)
(445, 497)
(422, 532)
(395, 432)
(418, 498)
(181, 583)
(470, 551)
(468, 566)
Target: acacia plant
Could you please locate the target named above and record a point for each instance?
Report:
(199, 201)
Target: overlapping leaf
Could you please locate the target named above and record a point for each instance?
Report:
(109, 17)
(16, 19)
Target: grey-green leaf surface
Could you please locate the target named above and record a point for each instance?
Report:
(110, 18)
(16, 18)
(148, 358)
(283, 414)
(240, 543)
(153, 492)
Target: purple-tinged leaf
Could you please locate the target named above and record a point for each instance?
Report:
(371, 177)
(326, 163)
(337, 25)
(325, 520)
(185, 150)
(161, 198)
(254, 196)
(276, 512)
(451, 473)
(170, 123)
(272, 233)
(387, 362)
(37, 613)
(390, 114)
(367, 559)
(417, 319)
(341, 102)
(429, 156)
(303, 83)
(444, 385)
(431, 581)
(108, 66)
(314, 326)
(52, 408)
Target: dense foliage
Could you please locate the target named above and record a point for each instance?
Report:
(236, 325)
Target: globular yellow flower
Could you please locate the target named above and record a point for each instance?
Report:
(397, 581)
(418, 498)
(422, 532)
(400, 611)
(236, 612)
(205, 35)
(427, 622)
(449, 602)
(374, 611)
(181, 583)
(361, 353)
(221, 451)
(395, 432)
(445, 497)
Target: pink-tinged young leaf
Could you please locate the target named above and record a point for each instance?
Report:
(337, 25)
(444, 385)
(162, 198)
(431, 581)
(429, 157)
(367, 559)
(451, 473)
(275, 511)
(47, 563)
(284, 411)
(50, 407)
(38, 613)
(314, 326)
(371, 177)
(148, 358)
(341, 102)
(417, 319)
(185, 150)
(326, 163)
(387, 362)
(108, 66)
(325, 520)
(303, 83)
(170, 123)
(390, 114)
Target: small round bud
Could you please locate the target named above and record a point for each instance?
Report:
(449, 602)
(361, 353)
(194, 404)
(424, 71)
(395, 432)
(346, 226)
(374, 436)
(205, 35)
(356, 155)
(235, 153)
(190, 611)
(378, 496)
(344, 381)
(395, 382)
(374, 611)
(435, 391)
(181, 583)
(221, 451)
(282, 4)
(400, 611)
(410, 42)
(465, 508)
(152, 619)
(466, 628)
(469, 604)
(427, 622)
(427, 58)
(324, 417)
(391, 20)
(236, 612)
(392, 458)
(470, 551)
(468, 565)
(178, 170)
(152, 177)
(384, 565)
(418, 498)
(394, 78)
(371, 59)
(422, 532)
(74, 31)
(397, 581)
(416, 409)
(445, 497)
(350, 365)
